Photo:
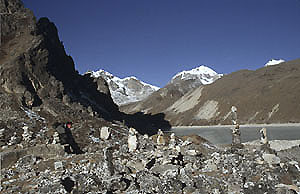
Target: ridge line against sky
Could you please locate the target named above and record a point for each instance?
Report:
(154, 40)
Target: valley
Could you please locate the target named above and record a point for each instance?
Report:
(65, 132)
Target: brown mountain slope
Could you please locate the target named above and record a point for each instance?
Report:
(267, 95)
(36, 74)
(155, 103)
(35, 68)
(160, 100)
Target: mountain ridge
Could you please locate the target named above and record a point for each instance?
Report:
(179, 85)
(265, 95)
(124, 90)
(204, 74)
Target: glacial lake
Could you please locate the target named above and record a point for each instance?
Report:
(222, 134)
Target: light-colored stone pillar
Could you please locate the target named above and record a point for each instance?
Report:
(160, 138)
(105, 133)
(27, 135)
(2, 137)
(56, 139)
(132, 140)
(2, 134)
(108, 156)
(236, 134)
(13, 139)
(172, 142)
(263, 136)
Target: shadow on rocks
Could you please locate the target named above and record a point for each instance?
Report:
(147, 123)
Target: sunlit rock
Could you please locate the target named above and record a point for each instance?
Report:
(263, 136)
(132, 140)
(105, 133)
(56, 139)
(27, 135)
(160, 138)
(271, 158)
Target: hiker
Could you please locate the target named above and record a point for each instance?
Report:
(67, 139)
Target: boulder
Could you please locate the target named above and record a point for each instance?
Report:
(105, 133)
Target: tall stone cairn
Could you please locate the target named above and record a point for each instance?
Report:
(27, 135)
(236, 133)
(160, 138)
(56, 139)
(132, 140)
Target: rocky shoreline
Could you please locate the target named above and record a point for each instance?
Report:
(157, 164)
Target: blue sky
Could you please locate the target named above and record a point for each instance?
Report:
(155, 39)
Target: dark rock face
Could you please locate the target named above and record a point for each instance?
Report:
(36, 73)
(36, 69)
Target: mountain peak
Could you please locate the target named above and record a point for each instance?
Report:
(125, 90)
(203, 73)
(274, 62)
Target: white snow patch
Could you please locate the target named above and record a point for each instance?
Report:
(274, 62)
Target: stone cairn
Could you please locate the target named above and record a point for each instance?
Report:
(236, 133)
(56, 139)
(108, 165)
(160, 138)
(263, 136)
(172, 142)
(264, 143)
(27, 135)
(13, 139)
(2, 139)
(132, 140)
(2, 134)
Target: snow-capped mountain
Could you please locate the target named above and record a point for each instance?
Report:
(274, 62)
(181, 84)
(126, 90)
(202, 75)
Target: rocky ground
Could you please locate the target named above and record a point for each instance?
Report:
(32, 162)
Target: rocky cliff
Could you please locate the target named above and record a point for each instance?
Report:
(36, 70)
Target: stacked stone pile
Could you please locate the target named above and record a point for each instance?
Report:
(179, 166)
